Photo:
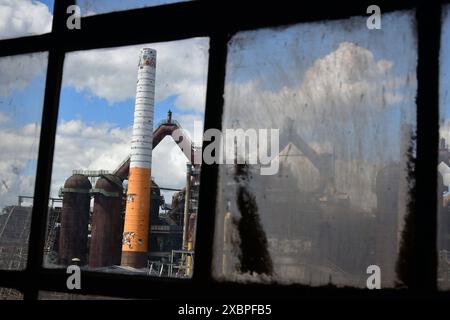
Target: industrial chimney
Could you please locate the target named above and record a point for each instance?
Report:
(135, 235)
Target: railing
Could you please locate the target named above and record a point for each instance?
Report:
(91, 173)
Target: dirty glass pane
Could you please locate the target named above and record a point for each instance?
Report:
(328, 199)
(444, 157)
(19, 18)
(10, 294)
(22, 82)
(104, 217)
(92, 7)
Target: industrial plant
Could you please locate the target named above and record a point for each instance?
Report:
(130, 227)
(297, 223)
(126, 230)
(307, 229)
(118, 220)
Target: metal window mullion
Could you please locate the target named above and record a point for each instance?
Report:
(46, 148)
(184, 20)
(44, 167)
(209, 175)
(423, 264)
(26, 45)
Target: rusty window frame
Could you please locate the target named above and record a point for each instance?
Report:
(219, 21)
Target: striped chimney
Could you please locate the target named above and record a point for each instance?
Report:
(136, 228)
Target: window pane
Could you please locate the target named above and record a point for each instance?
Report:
(22, 82)
(10, 294)
(444, 157)
(330, 199)
(92, 7)
(19, 18)
(106, 203)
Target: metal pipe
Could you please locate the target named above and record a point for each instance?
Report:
(226, 243)
(190, 243)
(186, 214)
(186, 204)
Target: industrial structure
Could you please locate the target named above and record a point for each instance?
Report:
(118, 221)
(309, 239)
(94, 236)
(443, 217)
(73, 234)
(107, 222)
(309, 220)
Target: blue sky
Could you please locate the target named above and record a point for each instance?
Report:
(92, 109)
(24, 105)
(49, 4)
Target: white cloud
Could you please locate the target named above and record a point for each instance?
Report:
(87, 146)
(336, 88)
(104, 147)
(111, 73)
(19, 18)
(348, 77)
(24, 17)
(19, 152)
(17, 71)
(342, 101)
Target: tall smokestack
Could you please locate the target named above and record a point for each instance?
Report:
(135, 235)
